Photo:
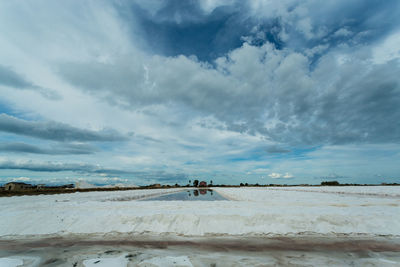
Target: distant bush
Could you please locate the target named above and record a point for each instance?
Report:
(330, 183)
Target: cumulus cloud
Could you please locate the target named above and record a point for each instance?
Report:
(314, 93)
(276, 175)
(167, 27)
(55, 131)
(21, 179)
(287, 176)
(343, 32)
(263, 90)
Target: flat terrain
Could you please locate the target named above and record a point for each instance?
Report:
(299, 226)
(126, 250)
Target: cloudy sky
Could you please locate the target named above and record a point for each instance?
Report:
(146, 91)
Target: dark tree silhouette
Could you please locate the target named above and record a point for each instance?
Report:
(330, 183)
(195, 183)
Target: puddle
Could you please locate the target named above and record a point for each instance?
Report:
(190, 195)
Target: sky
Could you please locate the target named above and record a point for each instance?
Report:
(147, 91)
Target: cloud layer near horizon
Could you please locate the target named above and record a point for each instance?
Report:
(55, 131)
(221, 89)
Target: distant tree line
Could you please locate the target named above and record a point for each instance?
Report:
(330, 183)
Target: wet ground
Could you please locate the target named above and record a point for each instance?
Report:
(204, 251)
(190, 195)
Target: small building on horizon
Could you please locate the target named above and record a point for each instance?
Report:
(17, 186)
(203, 184)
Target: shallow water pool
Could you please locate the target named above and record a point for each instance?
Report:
(190, 195)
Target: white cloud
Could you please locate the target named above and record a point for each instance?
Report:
(21, 179)
(276, 175)
(209, 5)
(343, 32)
(305, 27)
(387, 50)
(287, 176)
(316, 50)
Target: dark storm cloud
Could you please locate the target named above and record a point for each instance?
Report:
(185, 28)
(10, 78)
(374, 16)
(363, 107)
(64, 149)
(58, 167)
(55, 131)
(332, 176)
(277, 150)
(320, 86)
(332, 104)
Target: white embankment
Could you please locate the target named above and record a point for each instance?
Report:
(291, 210)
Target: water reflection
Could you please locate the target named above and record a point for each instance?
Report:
(189, 195)
(201, 191)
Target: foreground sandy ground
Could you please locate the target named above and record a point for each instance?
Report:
(126, 250)
(335, 226)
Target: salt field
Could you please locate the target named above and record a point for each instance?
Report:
(248, 227)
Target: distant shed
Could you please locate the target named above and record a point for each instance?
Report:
(15, 186)
(203, 184)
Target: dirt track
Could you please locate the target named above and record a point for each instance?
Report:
(303, 243)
